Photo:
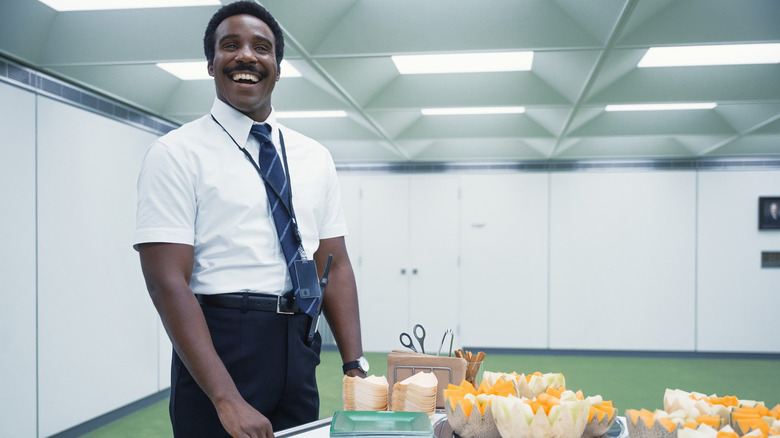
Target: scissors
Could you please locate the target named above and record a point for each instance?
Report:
(406, 340)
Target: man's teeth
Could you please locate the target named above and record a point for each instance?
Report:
(246, 77)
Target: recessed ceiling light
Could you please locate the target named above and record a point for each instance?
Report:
(198, 70)
(187, 71)
(473, 110)
(309, 114)
(727, 54)
(90, 5)
(661, 106)
(463, 62)
(288, 71)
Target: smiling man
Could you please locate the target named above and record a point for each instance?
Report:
(234, 212)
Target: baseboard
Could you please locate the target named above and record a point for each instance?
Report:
(116, 414)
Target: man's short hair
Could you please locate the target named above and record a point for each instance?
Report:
(241, 8)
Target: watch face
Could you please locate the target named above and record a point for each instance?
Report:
(363, 364)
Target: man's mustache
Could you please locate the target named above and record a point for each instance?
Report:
(245, 68)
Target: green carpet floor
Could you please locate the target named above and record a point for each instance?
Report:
(631, 383)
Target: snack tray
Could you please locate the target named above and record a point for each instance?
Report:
(380, 424)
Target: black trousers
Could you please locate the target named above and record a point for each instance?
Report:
(267, 357)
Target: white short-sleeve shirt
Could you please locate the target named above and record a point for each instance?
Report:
(196, 187)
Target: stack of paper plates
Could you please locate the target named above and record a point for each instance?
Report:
(415, 394)
(369, 394)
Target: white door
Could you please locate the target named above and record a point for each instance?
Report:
(384, 280)
(433, 257)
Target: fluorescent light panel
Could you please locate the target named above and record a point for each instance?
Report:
(198, 70)
(93, 5)
(727, 54)
(473, 110)
(661, 106)
(309, 114)
(187, 71)
(463, 62)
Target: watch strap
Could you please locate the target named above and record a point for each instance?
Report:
(350, 366)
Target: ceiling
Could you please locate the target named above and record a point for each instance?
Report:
(586, 55)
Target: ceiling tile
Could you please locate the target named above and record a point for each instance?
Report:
(707, 21)
(652, 123)
(467, 89)
(477, 126)
(694, 84)
(749, 116)
(362, 151)
(625, 147)
(489, 150)
(752, 145)
(569, 81)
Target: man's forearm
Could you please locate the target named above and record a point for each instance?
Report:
(342, 312)
(340, 303)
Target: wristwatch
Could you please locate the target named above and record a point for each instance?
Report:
(361, 363)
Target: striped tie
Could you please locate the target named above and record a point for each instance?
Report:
(278, 191)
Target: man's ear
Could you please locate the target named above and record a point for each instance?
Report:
(211, 70)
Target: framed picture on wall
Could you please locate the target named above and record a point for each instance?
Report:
(769, 213)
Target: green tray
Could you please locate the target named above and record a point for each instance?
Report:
(380, 423)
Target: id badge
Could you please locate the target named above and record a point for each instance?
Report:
(309, 284)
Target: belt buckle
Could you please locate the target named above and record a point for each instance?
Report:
(279, 306)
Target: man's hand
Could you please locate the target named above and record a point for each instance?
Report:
(241, 420)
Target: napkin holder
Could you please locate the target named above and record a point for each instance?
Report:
(402, 364)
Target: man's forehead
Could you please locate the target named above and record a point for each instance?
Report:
(257, 36)
(230, 25)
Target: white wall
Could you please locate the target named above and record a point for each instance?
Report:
(599, 260)
(623, 260)
(96, 324)
(164, 351)
(17, 264)
(737, 301)
(350, 197)
(504, 260)
(80, 336)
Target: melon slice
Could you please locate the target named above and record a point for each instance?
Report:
(600, 418)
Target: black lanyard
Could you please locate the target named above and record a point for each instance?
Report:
(289, 205)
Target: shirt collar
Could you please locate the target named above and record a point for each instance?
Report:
(238, 124)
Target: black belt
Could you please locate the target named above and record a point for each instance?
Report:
(247, 301)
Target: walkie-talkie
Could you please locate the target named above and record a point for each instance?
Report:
(315, 322)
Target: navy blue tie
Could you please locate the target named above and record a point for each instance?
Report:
(278, 190)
